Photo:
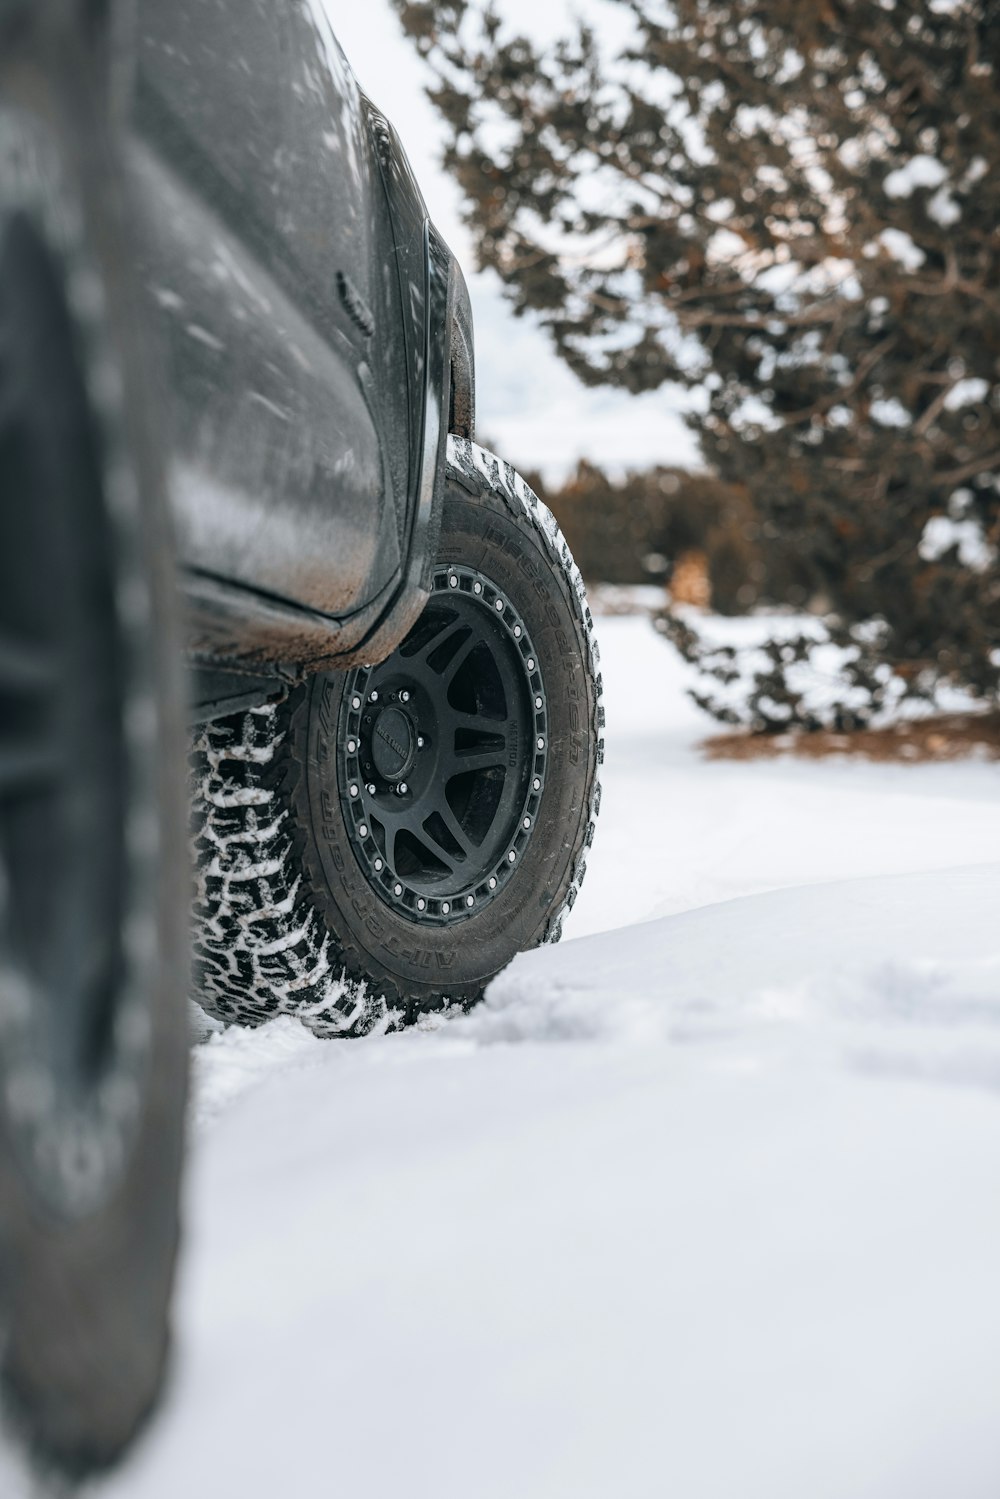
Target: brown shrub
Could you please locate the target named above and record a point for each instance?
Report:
(639, 528)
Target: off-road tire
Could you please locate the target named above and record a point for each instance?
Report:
(289, 917)
(91, 1142)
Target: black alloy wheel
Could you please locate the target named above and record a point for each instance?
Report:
(443, 753)
(386, 840)
(93, 1034)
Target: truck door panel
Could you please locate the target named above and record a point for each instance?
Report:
(257, 258)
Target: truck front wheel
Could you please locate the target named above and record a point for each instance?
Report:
(411, 825)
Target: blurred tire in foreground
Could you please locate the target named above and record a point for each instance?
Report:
(92, 890)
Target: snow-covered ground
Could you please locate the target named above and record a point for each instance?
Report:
(704, 1201)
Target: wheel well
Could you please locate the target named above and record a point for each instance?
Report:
(462, 409)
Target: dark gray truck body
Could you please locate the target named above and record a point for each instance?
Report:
(313, 328)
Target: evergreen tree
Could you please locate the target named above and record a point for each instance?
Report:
(791, 209)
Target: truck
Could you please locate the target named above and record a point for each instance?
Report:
(300, 708)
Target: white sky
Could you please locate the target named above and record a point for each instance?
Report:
(529, 405)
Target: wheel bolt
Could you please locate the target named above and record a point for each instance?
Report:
(445, 908)
(402, 789)
(355, 702)
(397, 889)
(526, 823)
(421, 905)
(477, 587)
(378, 863)
(470, 900)
(512, 856)
(493, 882)
(517, 632)
(540, 743)
(363, 830)
(404, 696)
(453, 581)
(531, 663)
(371, 788)
(499, 606)
(373, 696)
(538, 702)
(352, 745)
(536, 784)
(420, 741)
(354, 790)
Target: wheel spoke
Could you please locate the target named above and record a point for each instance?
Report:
(476, 757)
(394, 823)
(438, 843)
(453, 830)
(478, 723)
(441, 658)
(441, 631)
(460, 657)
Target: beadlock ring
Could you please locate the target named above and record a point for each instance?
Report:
(365, 707)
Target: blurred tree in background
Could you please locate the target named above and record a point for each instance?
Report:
(792, 210)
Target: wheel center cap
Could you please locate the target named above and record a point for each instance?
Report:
(393, 743)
